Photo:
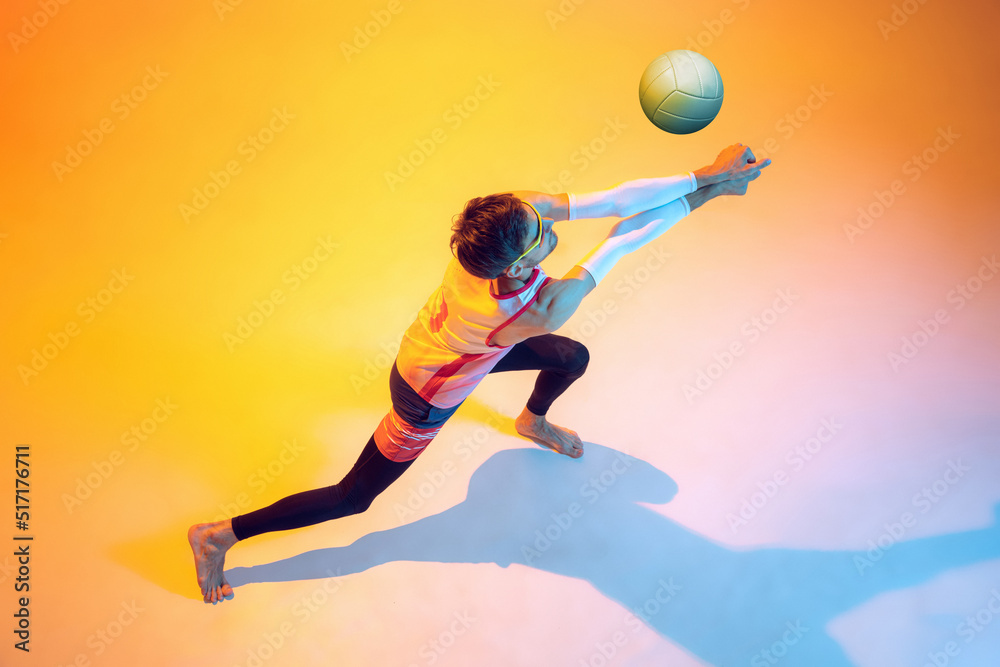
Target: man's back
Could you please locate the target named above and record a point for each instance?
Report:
(449, 348)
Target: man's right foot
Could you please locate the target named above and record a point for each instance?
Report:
(538, 429)
(210, 542)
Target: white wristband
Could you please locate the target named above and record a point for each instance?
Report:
(631, 197)
(631, 234)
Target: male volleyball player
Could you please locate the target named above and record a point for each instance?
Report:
(495, 311)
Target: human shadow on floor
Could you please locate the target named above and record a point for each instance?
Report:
(580, 518)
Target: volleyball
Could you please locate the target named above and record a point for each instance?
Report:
(680, 91)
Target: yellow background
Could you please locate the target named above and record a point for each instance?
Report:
(560, 73)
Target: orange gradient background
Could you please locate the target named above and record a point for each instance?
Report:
(109, 518)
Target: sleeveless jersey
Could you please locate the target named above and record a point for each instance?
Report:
(449, 347)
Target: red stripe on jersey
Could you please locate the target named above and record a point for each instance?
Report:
(517, 314)
(430, 388)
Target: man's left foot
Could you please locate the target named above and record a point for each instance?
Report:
(210, 542)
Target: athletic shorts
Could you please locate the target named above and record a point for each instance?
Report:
(411, 423)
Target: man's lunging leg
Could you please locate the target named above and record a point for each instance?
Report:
(370, 476)
(560, 361)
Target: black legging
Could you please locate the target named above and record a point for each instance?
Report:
(561, 361)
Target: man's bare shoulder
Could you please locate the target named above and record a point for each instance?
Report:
(556, 300)
(533, 321)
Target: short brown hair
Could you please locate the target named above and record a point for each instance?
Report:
(489, 234)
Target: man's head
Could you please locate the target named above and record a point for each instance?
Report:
(493, 231)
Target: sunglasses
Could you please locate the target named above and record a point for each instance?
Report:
(538, 241)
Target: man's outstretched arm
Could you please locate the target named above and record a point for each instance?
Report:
(621, 201)
(559, 299)
(735, 167)
(562, 297)
(631, 197)
(626, 199)
(732, 171)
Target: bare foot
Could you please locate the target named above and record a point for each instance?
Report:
(210, 542)
(556, 438)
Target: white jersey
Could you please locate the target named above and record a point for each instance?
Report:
(449, 348)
